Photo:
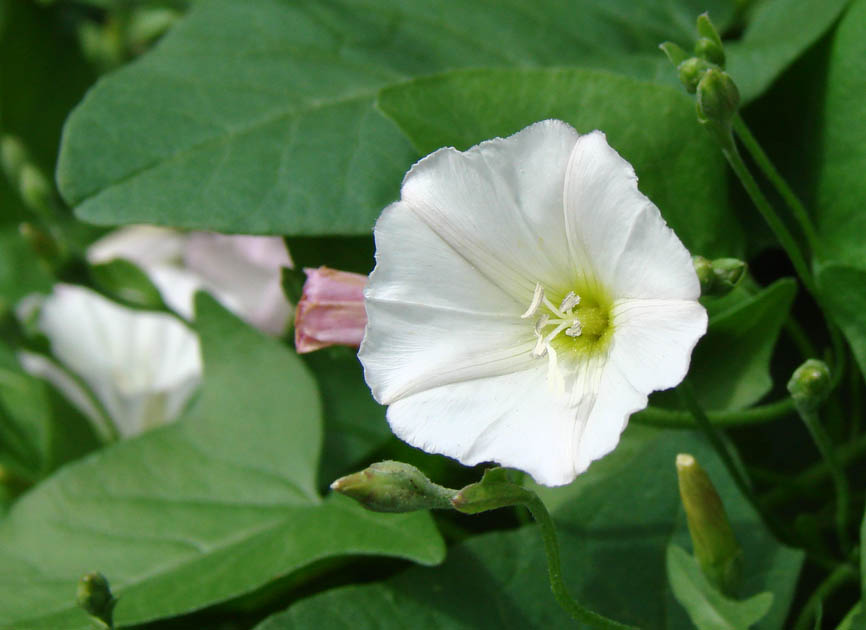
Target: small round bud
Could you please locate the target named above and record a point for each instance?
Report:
(393, 487)
(35, 189)
(709, 45)
(715, 547)
(691, 71)
(720, 276)
(94, 596)
(718, 97)
(706, 48)
(13, 156)
(810, 384)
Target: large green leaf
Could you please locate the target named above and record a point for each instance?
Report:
(258, 117)
(777, 34)
(212, 507)
(842, 144)
(731, 364)
(652, 126)
(708, 608)
(614, 531)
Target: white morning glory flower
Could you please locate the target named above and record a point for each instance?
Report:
(142, 367)
(526, 299)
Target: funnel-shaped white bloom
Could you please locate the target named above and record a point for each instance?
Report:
(141, 366)
(242, 272)
(526, 299)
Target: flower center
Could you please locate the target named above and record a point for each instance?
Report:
(580, 323)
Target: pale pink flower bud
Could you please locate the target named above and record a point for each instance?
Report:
(331, 311)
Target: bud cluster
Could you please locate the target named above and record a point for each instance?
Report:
(703, 74)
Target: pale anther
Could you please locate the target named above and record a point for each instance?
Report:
(537, 298)
(569, 302)
(575, 329)
(541, 322)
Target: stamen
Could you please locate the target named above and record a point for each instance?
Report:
(575, 329)
(569, 302)
(537, 299)
(556, 331)
(540, 348)
(541, 322)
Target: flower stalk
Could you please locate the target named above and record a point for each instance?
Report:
(809, 386)
(398, 487)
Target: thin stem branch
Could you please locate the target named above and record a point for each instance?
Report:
(840, 482)
(775, 178)
(675, 419)
(778, 227)
(687, 396)
(840, 576)
(554, 568)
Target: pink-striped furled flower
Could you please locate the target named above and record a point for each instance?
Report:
(331, 310)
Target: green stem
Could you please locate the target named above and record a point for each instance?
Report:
(675, 419)
(840, 482)
(775, 178)
(554, 568)
(841, 575)
(779, 229)
(812, 476)
(687, 395)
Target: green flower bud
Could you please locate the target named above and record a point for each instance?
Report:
(716, 549)
(494, 491)
(94, 596)
(394, 487)
(717, 103)
(35, 189)
(720, 276)
(709, 45)
(13, 156)
(810, 384)
(691, 71)
(708, 49)
(674, 53)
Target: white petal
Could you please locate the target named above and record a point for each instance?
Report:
(144, 245)
(617, 399)
(653, 340)
(408, 348)
(177, 286)
(514, 419)
(244, 272)
(497, 205)
(616, 233)
(415, 266)
(142, 366)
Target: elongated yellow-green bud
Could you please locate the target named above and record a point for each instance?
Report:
(394, 487)
(716, 549)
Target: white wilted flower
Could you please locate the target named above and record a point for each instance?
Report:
(526, 299)
(242, 272)
(141, 366)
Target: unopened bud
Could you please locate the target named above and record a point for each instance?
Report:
(810, 384)
(691, 71)
(13, 156)
(394, 487)
(94, 596)
(718, 99)
(675, 54)
(35, 189)
(715, 547)
(718, 277)
(709, 45)
(331, 310)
